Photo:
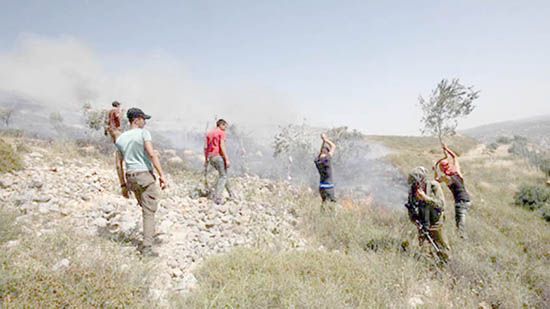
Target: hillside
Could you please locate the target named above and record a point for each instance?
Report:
(535, 129)
(68, 238)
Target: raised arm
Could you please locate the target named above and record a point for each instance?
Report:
(453, 155)
(322, 146)
(331, 145)
(156, 162)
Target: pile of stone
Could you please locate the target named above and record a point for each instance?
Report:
(83, 193)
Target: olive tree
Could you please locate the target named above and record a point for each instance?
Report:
(449, 101)
(293, 143)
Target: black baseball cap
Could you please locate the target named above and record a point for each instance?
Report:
(135, 112)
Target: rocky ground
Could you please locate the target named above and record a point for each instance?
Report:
(59, 190)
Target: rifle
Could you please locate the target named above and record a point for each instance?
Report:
(414, 216)
(429, 238)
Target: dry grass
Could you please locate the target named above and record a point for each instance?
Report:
(411, 151)
(369, 257)
(99, 272)
(360, 256)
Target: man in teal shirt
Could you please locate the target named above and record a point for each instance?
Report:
(136, 159)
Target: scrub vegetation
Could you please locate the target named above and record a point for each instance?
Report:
(360, 255)
(369, 257)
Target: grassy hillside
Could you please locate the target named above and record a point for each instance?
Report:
(535, 129)
(369, 257)
(359, 256)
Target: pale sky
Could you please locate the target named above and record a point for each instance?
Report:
(356, 63)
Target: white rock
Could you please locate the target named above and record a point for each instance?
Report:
(176, 272)
(170, 152)
(12, 243)
(189, 282)
(6, 183)
(100, 222)
(175, 160)
(42, 199)
(36, 155)
(107, 208)
(36, 184)
(61, 265)
(416, 301)
(165, 226)
(43, 209)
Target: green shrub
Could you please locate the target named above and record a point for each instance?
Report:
(493, 146)
(504, 140)
(532, 197)
(9, 159)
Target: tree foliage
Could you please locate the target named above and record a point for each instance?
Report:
(292, 139)
(56, 120)
(349, 143)
(294, 144)
(95, 119)
(449, 101)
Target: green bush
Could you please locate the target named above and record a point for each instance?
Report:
(504, 140)
(532, 197)
(9, 159)
(493, 146)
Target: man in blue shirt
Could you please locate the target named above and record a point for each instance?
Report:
(136, 159)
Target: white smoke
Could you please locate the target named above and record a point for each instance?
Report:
(62, 74)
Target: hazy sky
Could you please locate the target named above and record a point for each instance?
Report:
(356, 63)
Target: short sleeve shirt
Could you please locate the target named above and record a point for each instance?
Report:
(132, 146)
(214, 139)
(324, 167)
(114, 119)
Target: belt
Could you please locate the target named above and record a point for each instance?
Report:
(326, 185)
(133, 174)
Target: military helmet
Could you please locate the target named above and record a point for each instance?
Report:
(417, 175)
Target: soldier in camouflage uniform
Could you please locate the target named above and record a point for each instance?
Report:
(425, 204)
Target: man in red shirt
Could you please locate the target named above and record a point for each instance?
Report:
(113, 121)
(215, 154)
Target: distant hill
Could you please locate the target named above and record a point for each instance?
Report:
(536, 129)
